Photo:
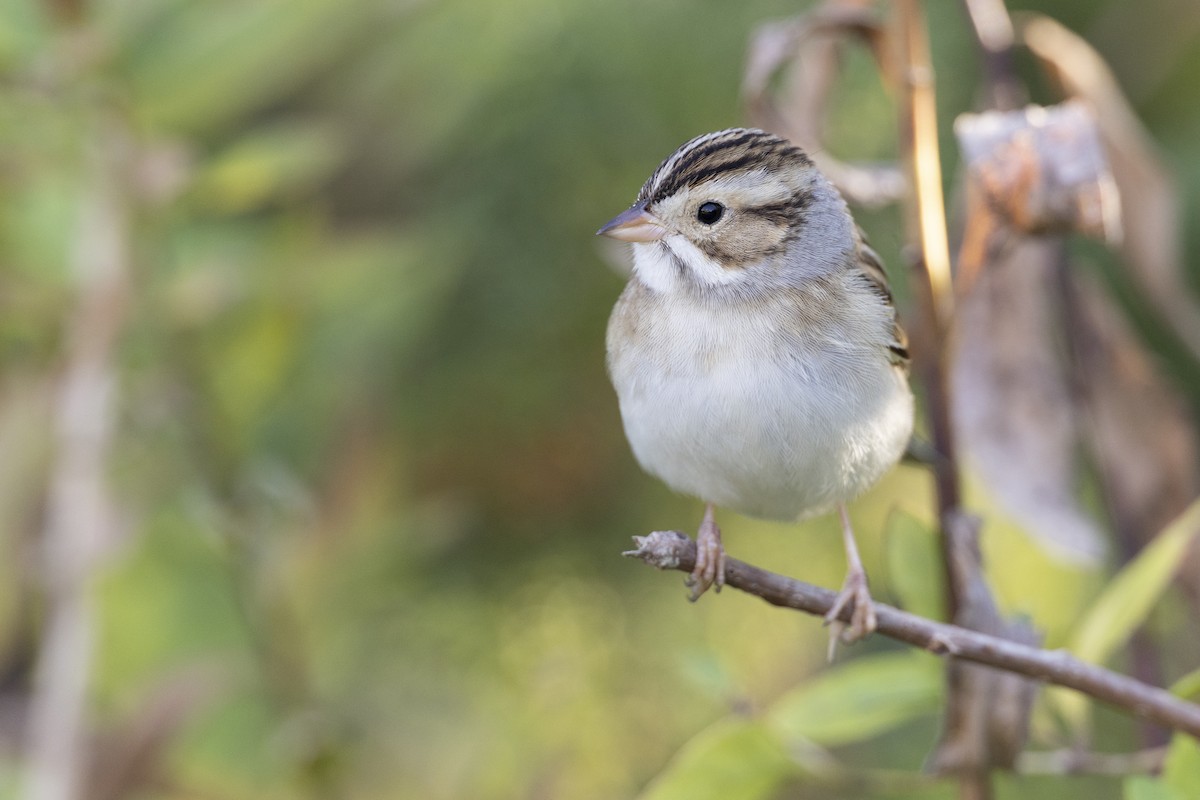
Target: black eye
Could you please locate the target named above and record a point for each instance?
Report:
(710, 212)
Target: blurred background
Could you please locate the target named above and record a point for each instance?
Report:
(311, 480)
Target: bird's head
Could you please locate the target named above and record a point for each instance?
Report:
(737, 208)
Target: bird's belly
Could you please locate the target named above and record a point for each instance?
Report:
(780, 441)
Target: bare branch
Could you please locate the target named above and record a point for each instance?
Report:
(675, 550)
(1078, 762)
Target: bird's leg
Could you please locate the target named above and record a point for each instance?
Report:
(854, 592)
(710, 557)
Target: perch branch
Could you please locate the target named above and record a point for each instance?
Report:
(674, 550)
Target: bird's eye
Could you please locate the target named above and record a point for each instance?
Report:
(710, 212)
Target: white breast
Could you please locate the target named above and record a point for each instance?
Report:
(770, 416)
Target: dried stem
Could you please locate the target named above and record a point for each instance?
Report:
(806, 52)
(79, 514)
(675, 550)
(919, 121)
(971, 750)
(930, 262)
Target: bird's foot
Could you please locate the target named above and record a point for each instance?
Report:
(862, 615)
(710, 558)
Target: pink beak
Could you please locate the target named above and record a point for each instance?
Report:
(635, 224)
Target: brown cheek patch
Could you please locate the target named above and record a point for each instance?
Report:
(754, 238)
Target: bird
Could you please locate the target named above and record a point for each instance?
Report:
(755, 351)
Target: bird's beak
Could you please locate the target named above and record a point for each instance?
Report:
(635, 224)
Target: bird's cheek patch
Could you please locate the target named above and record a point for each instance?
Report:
(753, 240)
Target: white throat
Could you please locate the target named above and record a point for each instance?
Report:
(675, 263)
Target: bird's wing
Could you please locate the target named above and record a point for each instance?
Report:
(872, 269)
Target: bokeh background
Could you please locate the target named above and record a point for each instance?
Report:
(325, 272)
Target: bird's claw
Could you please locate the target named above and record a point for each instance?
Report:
(862, 615)
(710, 560)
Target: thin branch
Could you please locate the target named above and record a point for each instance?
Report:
(675, 550)
(1077, 762)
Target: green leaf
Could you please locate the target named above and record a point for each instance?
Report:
(211, 63)
(249, 368)
(914, 568)
(1188, 687)
(860, 699)
(1133, 591)
(1071, 707)
(705, 672)
(1143, 787)
(1123, 606)
(1181, 769)
(731, 758)
(268, 164)
(24, 32)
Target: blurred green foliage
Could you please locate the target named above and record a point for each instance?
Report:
(371, 472)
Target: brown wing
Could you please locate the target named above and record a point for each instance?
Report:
(872, 269)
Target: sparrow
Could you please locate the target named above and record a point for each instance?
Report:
(755, 352)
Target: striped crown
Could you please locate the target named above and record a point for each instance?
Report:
(715, 154)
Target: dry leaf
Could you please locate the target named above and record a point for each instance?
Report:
(1014, 414)
(1149, 209)
(1142, 439)
(1135, 425)
(806, 51)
